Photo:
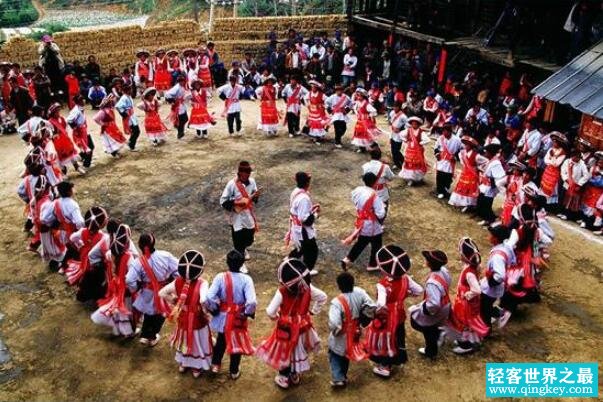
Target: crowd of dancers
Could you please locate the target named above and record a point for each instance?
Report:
(136, 286)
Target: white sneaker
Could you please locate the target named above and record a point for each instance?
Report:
(504, 319)
(580, 221)
(155, 341)
(441, 339)
(381, 371)
(561, 216)
(338, 146)
(409, 183)
(372, 269)
(291, 136)
(281, 381)
(598, 232)
(244, 270)
(464, 210)
(345, 263)
(462, 351)
(582, 224)
(314, 272)
(358, 150)
(247, 256)
(482, 223)
(144, 341)
(81, 170)
(440, 196)
(421, 351)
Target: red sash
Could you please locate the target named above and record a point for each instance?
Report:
(396, 117)
(77, 269)
(413, 156)
(366, 213)
(292, 100)
(355, 349)
(194, 317)
(234, 97)
(293, 219)
(64, 225)
(446, 155)
(550, 180)
(379, 186)
(338, 107)
(249, 205)
(236, 325)
(115, 298)
(445, 299)
(160, 305)
(143, 69)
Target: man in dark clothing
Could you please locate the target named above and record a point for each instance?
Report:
(20, 100)
(93, 70)
(42, 87)
(277, 62)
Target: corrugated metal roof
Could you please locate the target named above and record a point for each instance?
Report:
(578, 84)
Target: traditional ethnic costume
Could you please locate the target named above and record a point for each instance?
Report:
(338, 106)
(414, 166)
(317, 116)
(154, 128)
(467, 187)
(446, 150)
(231, 94)
(269, 118)
(188, 293)
(386, 336)
(79, 132)
(366, 130)
(294, 337)
(293, 94)
(112, 138)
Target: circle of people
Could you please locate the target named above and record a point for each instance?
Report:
(136, 289)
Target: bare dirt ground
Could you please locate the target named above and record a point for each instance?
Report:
(58, 354)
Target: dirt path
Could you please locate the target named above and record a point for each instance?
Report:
(58, 354)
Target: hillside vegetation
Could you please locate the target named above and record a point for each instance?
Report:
(14, 13)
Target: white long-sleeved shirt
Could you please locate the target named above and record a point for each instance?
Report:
(453, 145)
(70, 209)
(481, 115)
(414, 289)
(168, 292)
(357, 299)
(76, 116)
(294, 104)
(530, 142)
(360, 195)
(397, 123)
(301, 208)
(495, 171)
(580, 173)
(125, 104)
(243, 219)
(178, 93)
(338, 115)
(349, 65)
(233, 95)
(501, 258)
(387, 175)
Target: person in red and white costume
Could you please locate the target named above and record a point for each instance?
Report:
(513, 196)
(115, 308)
(366, 130)
(397, 120)
(187, 295)
(303, 214)
(238, 198)
(551, 176)
(162, 79)
(430, 108)
(414, 138)
(288, 347)
(466, 326)
(467, 187)
(338, 106)
(446, 152)
(231, 94)
(200, 119)
(427, 316)
(84, 240)
(60, 218)
(204, 62)
(383, 173)
(269, 119)
(152, 270)
(112, 138)
(154, 128)
(386, 336)
(176, 97)
(63, 143)
(493, 178)
(317, 120)
(79, 130)
(293, 94)
(368, 228)
(574, 174)
(175, 65)
(593, 191)
(143, 71)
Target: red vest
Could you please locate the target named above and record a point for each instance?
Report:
(192, 315)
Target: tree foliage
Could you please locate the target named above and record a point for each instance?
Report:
(15, 13)
(261, 8)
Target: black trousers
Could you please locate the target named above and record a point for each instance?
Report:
(292, 123)
(340, 128)
(510, 302)
(431, 335)
(443, 183)
(308, 252)
(135, 133)
(151, 326)
(487, 310)
(231, 119)
(396, 153)
(401, 356)
(220, 349)
(241, 239)
(87, 158)
(182, 120)
(484, 208)
(375, 241)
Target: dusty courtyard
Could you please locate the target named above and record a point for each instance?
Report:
(173, 191)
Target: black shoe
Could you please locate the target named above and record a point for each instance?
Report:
(53, 265)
